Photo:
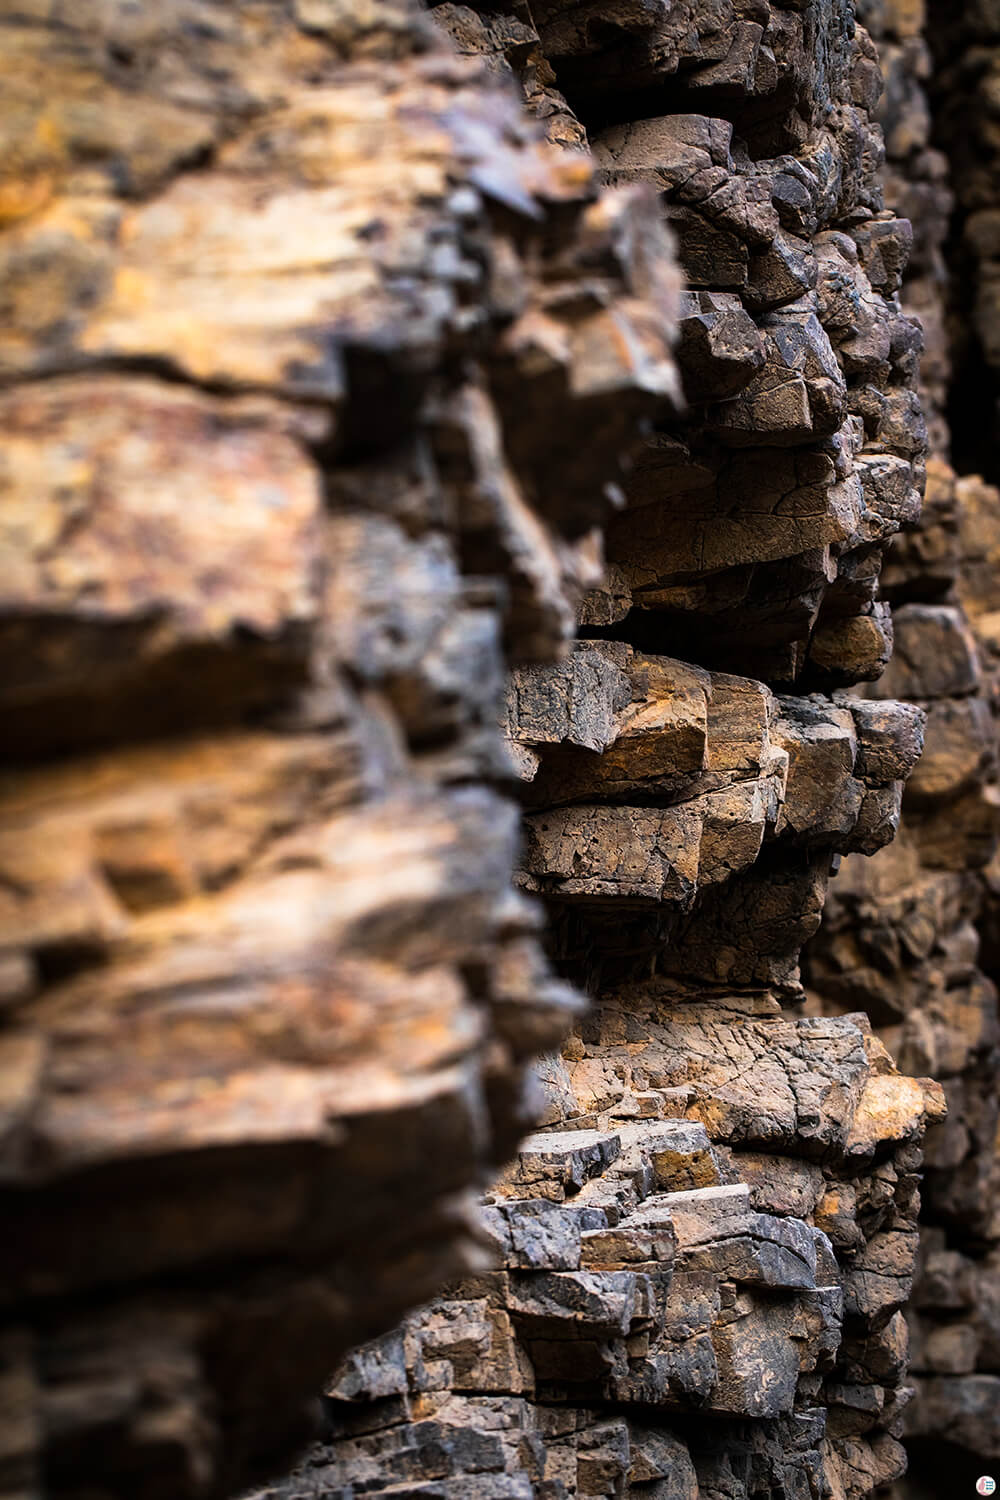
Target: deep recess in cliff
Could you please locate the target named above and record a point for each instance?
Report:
(333, 391)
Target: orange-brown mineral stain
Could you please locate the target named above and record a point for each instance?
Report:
(20, 197)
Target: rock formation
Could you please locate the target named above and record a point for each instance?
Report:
(300, 322)
(339, 377)
(705, 1251)
(910, 935)
(900, 939)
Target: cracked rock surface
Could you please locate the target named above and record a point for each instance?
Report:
(701, 1259)
(294, 296)
(454, 627)
(911, 935)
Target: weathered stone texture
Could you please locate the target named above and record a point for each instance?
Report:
(335, 378)
(300, 318)
(703, 1255)
(911, 936)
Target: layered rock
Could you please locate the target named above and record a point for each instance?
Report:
(703, 1255)
(910, 936)
(706, 1252)
(322, 376)
(297, 309)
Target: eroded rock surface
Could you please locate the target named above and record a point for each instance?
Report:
(332, 370)
(295, 301)
(911, 935)
(703, 1255)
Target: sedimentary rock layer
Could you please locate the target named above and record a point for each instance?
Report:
(911, 935)
(301, 321)
(705, 1251)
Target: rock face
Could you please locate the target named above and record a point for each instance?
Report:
(300, 320)
(341, 355)
(703, 1255)
(911, 936)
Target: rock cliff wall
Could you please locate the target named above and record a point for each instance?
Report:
(340, 375)
(911, 934)
(300, 322)
(706, 1250)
